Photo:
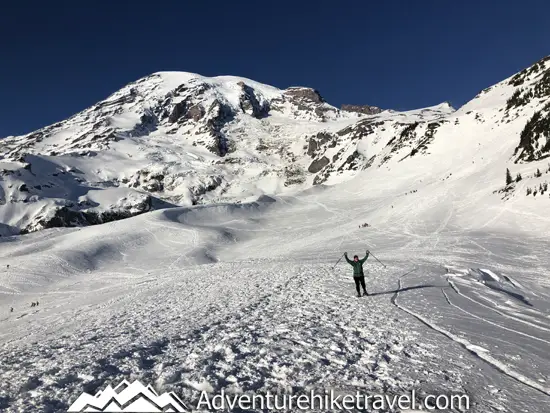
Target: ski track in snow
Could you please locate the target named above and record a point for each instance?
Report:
(492, 323)
(476, 350)
(511, 317)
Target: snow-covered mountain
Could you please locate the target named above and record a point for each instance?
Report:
(255, 297)
(177, 138)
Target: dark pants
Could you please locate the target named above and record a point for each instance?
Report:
(360, 282)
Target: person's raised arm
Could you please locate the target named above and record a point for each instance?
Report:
(347, 259)
(366, 256)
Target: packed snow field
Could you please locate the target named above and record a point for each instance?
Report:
(246, 297)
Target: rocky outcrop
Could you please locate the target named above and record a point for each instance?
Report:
(364, 109)
(304, 94)
(251, 104)
(148, 123)
(67, 216)
(183, 103)
(199, 190)
(147, 181)
(318, 143)
(195, 112)
(318, 164)
(360, 129)
(178, 111)
(353, 162)
(422, 145)
(408, 134)
(186, 110)
(294, 175)
(218, 114)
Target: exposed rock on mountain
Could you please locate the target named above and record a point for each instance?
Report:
(252, 104)
(183, 139)
(300, 94)
(364, 109)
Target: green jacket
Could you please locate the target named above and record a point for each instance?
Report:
(357, 266)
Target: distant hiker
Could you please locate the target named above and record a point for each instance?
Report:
(11, 310)
(358, 274)
(32, 304)
(37, 303)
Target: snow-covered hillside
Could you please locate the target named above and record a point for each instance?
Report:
(246, 298)
(177, 138)
(168, 139)
(182, 139)
(244, 295)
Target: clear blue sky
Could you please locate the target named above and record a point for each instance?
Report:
(57, 58)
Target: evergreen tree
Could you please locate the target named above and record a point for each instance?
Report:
(509, 179)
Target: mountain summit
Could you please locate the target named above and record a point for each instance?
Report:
(176, 138)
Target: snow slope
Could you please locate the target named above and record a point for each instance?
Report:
(244, 296)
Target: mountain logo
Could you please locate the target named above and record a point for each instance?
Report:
(128, 397)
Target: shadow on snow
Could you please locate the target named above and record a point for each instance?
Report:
(414, 287)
